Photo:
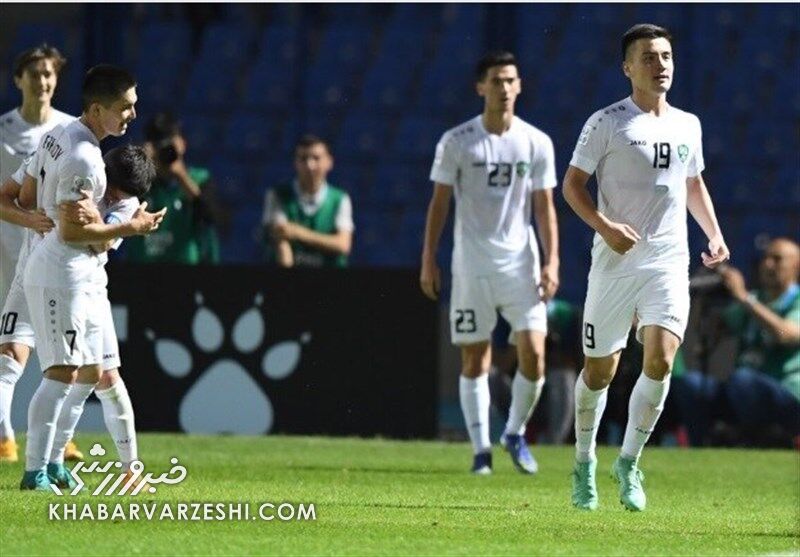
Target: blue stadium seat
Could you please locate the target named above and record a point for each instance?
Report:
(362, 137)
(248, 135)
(417, 136)
(203, 133)
(234, 183)
(243, 242)
(272, 79)
(225, 44)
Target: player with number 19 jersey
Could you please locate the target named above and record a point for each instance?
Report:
(642, 163)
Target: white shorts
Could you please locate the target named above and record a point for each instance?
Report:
(15, 326)
(111, 359)
(475, 301)
(68, 326)
(657, 297)
(15, 321)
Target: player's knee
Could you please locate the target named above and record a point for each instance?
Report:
(598, 372)
(475, 360)
(532, 365)
(658, 366)
(108, 379)
(17, 352)
(10, 370)
(89, 374)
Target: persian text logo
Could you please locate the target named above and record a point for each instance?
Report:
(121, 482)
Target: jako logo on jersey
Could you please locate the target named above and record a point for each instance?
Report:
(683, 152)
(225, 398)
(638, 142)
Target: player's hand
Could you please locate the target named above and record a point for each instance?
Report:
(620, 237)
(144, 222)
(40, 222)
(733, 280)
(80, 212)
(717, 252)
(430, 279)
(549, 283)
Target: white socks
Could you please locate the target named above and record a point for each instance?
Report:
(10, 372)
(474, 395)
(42, 416)
(589, 407)
(118, 415)
(71, 413)
(524, 397)
(645, 407)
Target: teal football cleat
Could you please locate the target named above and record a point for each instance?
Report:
(631, 493)
(35, 480)
(60, 476)
(584, 486)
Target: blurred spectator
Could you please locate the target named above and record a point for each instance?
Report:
(188, 234)
(763, 393)
(309, 222)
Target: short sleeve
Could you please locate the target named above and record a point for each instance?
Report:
(79, 173)
(273, 212)
(122, 212)
(697, 163)
(344, 216)
(592, 143)
(543, 171)
(19, 173)
(445, 161)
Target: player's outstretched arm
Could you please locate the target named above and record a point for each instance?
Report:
(430, 276)
(619, 236)
(141, 223)
(544, 211)
(699, 203)
(13, 205)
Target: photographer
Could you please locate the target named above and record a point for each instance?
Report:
(188, 234)
(763, 393)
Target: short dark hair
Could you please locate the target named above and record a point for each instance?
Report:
(492, 59)
(40, 52)
(105, 83)
(163, 125)
(309, 140)
(128, 168)
(643, 31)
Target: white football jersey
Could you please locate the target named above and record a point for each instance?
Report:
(115, 213)
(642, 163)
(68, 162)
(493, 177)
(18, 141)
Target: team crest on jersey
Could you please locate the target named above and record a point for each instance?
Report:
(522, 168)
(683, 152)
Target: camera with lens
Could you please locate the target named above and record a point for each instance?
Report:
(166, 153)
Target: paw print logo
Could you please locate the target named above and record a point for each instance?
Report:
(226, 398)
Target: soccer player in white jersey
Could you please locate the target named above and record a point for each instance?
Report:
(499, 168)
(648, 159)
(129, 172)
(59, 280)
(36, 73)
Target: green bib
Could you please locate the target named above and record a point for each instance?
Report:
(322, 221)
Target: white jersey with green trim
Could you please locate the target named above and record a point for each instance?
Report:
(68, 162)
(493, 177)
(19, 139)
(642, 163)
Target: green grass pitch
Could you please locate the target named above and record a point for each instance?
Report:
(377, 497)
